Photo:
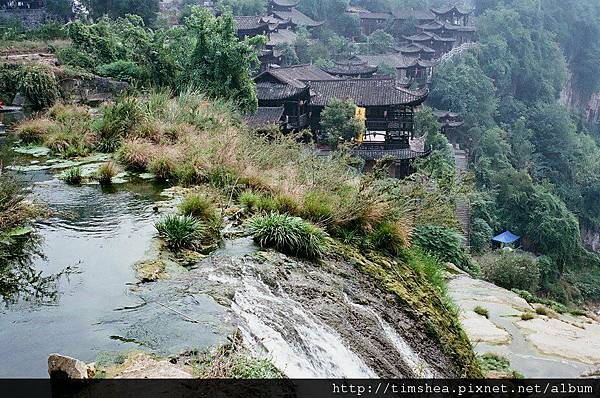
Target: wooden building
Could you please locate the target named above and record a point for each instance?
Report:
(352, 68)
(409, 70)
(439, 44)
(285, 10)
(287, 88)
(452, 14)
(450, 122)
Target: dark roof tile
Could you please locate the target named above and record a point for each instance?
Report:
(364, 92)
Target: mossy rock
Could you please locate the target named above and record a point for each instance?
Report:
(151, 270)
(422, 302)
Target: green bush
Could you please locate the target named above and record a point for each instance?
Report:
(527, 316)
(429, 266)
(445, 244)
(36, 130)
(254, 202)
(73, 176)
(180, 232)
(290, 235)
(480, 236)
(512, 270)
(72, 57)
(39, 84)
(124, 70)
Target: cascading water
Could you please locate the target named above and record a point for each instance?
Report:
(297, 342)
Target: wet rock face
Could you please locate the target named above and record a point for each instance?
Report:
(64, 367)
(318, 320)
(552, 345)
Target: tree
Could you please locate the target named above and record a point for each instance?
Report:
(220, 64)
(63, 9)
(380, 42)
(147, 9)
(244, 7)
(288, 54)
(338, 121)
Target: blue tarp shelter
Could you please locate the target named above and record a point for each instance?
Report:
(506, 238)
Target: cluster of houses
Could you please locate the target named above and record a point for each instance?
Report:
(293, 97)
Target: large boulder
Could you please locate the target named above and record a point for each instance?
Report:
(64, 367)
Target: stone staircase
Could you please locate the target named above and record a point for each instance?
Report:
(457, 51)
(463, 207)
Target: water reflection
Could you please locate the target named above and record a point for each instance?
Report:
(20, 281)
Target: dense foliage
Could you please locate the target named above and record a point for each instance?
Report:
(339, 122)
(204, 54)
(536, 166)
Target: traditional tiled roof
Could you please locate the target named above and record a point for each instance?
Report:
(281, 36)
(445, 114)
(413, 48)
(459, 28)
(273, 91)
(428, 36)
(397, 60)
(433, 25)
(297, 18)
(265, 116)
(374, 15)
(297, 74)
(419, 15)
(351, 67)
(449, 8)
(364, 92)
(285, 3)
(250, 22)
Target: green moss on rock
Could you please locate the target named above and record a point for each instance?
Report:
(422, 302)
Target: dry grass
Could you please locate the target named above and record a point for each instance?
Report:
(193, 140)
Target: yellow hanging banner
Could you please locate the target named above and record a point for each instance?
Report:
(361, 113)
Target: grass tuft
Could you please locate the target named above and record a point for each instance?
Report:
(290, 235)
(479, 310)
(527, 316)
(106, 172)
(180, 232)
(73, 176)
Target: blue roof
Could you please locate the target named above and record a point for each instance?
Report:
(506, 237)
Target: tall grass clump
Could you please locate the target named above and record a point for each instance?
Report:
(390, 237)
(34, 131)
(118, 120)
(180, 232)
(106, 172)
(289, 235)
(73, 176)
(202, 207)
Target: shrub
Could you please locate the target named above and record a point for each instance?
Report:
(287, 234)
(390, 237)
(127, 71)
(512, 270)
(72, 57)
(427, 265)
(34, 131)
(180, 232)
(445, 244)
(254, 202)
(480, 236)
(106, 172)
(73, 176)
(527, 316)
(119, 119)
(479, 310)
(39, 84)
